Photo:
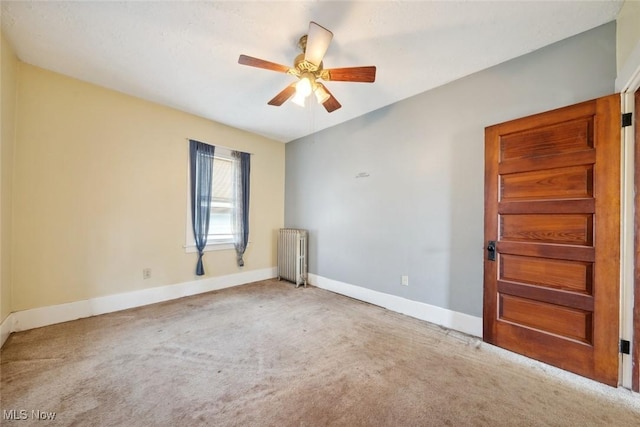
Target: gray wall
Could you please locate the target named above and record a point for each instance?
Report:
(419, 212)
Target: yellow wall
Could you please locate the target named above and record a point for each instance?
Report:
(8, 69)
(100, 192)
(628, 31)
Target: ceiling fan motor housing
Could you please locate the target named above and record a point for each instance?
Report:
(302, 65)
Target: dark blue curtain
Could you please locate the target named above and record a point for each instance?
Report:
(201, 174)
(241, 220)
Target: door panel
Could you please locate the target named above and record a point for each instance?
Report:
(569, 275)
(573, 182)
(549, 317)
(568, 137)
(552, 189)
(570, 229)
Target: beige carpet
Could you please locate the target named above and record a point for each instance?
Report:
(267, 354)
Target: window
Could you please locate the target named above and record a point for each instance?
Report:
(223, 204)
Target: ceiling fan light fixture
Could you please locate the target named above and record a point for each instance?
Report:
(298, 99)
(321, 94)
(304, 86)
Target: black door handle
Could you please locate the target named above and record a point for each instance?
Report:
(491, 250)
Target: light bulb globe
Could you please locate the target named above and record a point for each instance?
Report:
(303, 87)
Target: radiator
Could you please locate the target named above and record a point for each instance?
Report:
(292, 255)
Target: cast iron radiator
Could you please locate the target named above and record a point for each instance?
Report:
(292, 255)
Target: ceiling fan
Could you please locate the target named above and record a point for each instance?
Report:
(308, 68)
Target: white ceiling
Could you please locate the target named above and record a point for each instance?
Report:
(184, 54)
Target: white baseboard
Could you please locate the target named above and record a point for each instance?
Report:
(50, 315)
(471, 325)
(5, 328)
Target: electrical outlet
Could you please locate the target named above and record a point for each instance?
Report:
(146, 273)
(405, 281)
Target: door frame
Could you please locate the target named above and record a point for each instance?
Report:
(635, 356)
(627, 84)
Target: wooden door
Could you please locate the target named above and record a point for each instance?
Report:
(552, 205)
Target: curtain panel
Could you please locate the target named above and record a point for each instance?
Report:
(201, 174)
(241, 212)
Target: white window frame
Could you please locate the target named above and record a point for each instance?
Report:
(190, 244)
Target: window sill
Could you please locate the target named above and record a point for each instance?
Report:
(210, 247)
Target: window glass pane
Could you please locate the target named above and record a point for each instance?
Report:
(222, 179)
(220, 223)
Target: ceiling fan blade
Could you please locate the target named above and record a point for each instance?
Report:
(285, 94)
(353, 74)
(261, 63)
(332, 103)
(318, 39)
